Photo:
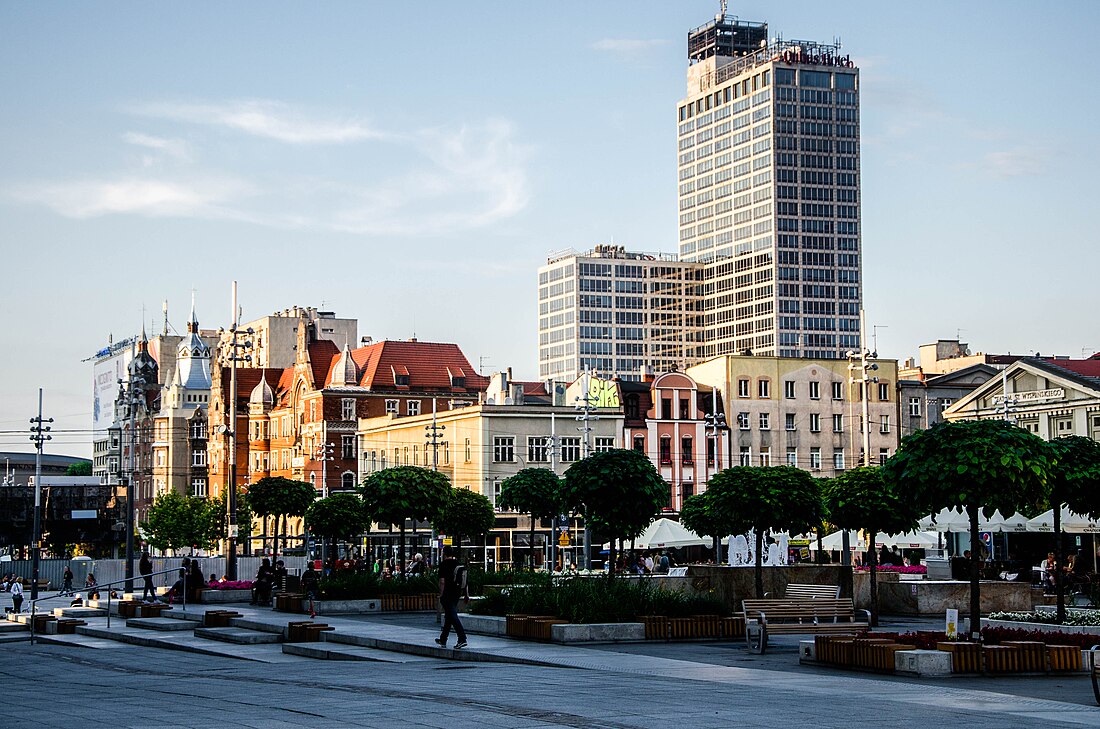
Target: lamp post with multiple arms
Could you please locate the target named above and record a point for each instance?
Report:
(230, 430)
(40, 436)
(861, 362)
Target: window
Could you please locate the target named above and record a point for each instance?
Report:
(838, 460)
(504, 449)
(446, 453)
(838, 390)
(765, 456)
(347, 481)
(570, 449)
(815, 423)
(712, 450)
(792, 456)
(838, 423)
(765, 421)
(788, 421)
(665, 452)
(538, 448)
(884, 424)
(604, 443)
(412, 407)
(788, 389)
(666, 408)
(746, 456)
(347, 446)
(763, 389)
(743, 388)
(815, 459)
(198, 457)
(883, 454)
(884, 391)
(815, 390)
(687, 453)
(743, 421)
(391, 407)
(631, 408)
(198, 487)
(685, 407)
(198, 429)
(945, 403)
(401, 380)
(914, 407)
(467, 450)
(347, 408)
(639, 443)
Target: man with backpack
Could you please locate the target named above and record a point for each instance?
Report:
(453, 584)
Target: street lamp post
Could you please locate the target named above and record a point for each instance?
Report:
(231, 433)
(861, 362)
(585, 407)
(41, 435)
(714, 425)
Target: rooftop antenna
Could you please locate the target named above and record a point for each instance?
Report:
(164, 308)
(722, 13)
(481, 364)
(874, 335)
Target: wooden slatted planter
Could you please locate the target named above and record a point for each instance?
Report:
(1033, 655)
(1001, 658)
(218, 618)
(966, 657)
(1064, 657)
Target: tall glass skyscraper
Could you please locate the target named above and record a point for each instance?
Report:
(769, 192)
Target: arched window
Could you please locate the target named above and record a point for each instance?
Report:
(666, 449)
(639, 443)
(347, 481)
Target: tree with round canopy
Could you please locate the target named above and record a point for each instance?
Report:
(618, 491)
(975, 465)
(698, 516)
(394, 495)
(536, 491)
(769, 498)
(467, 513)
(1075, 482)
(861, 499)
(280, 497)
(337, 517)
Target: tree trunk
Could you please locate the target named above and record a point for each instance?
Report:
(280, 543)
(820, 548)
(975, 574)
(872, 560)
(531, 558)
(1059, 573)
(759, 566)
(611, 558)
(717, 549)
(401, 546)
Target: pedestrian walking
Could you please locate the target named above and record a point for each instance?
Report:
(145, 569)
(67, 581)
(17, 595)
(453, 585)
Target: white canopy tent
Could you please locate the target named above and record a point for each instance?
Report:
(954, 520)
(1071, 523)
(666, 533)
(909, 540)
(835, 541)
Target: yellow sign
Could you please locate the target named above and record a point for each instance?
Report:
(563, 540)
(448, 541)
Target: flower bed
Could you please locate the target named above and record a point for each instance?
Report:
(914, 570)
(232, 585)
(1075, 617)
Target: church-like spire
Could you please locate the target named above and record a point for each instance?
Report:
(346, 372)
(193, 322)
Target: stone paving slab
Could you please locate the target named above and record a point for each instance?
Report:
(336, 652)
(161, 624)
(239, 636)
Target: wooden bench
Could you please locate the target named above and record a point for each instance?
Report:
(218, 618)
(305, 631)
(793, 617)
(796, 591)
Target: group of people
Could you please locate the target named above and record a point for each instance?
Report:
(647, 563)
(1075, 570)
(267, 577)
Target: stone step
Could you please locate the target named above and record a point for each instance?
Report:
(150, 639)
(337, 652)
(11, 627)
(15, 637)
(162, 624)
(240, 636)
(79, 612)
(83, 641)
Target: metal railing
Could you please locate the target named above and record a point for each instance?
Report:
(97, 588)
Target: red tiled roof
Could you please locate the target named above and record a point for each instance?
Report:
(322, 356)
(1086, 367)
(428, 364)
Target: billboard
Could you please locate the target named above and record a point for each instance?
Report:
(106, 372)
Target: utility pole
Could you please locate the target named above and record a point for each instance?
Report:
(133, 392)
(434, 437)
(1008, 404)
(550, 443)
(585, 407)
(231, 432)
(40, 436)
(864, 367)
(324, 453)
(714, 425)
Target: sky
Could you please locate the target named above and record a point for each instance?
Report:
(411, 165)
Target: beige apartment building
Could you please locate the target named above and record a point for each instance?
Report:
(802, 412)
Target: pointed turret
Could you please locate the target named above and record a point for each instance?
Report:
(345, 372)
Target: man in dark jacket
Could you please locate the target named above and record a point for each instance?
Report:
(452, 586)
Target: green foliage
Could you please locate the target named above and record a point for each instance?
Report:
(367, 585)
(393, 495)
(590, 600)
(179, 522)
(697, 515)
(1075, 480)
(621, 490)
(340, 516)
(278, 496)
(81, 468)
(861, 499)
(467, 513)
(535, 491)
(773, 498)
(220, 516)
(981, 463)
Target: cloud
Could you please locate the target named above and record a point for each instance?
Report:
(628, 46)
(1014, 162)
(140, 196)
(262, 118)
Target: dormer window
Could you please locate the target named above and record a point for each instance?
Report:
(458, 377)
(458, 381)
(401, 380)
(400, 376)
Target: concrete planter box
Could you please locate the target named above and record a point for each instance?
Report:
(343, 607)
(484, 624)
(933, 597)
(597, 632)
(217, 597)
(1050, 627)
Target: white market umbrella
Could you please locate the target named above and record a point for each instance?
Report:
(836, 541)
(1071, 523)
(948, 520)
(909, 540)
(1015, 523)
(664, 533)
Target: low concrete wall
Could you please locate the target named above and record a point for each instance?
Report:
(597, 632)
(214, 597)
(1076, 629)
(934, 597)
(484, 624)
(734, 584)
(343, 607)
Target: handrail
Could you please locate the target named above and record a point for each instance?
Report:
(34, 603)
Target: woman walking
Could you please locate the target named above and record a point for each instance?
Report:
(145, 568)
(17, 595)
